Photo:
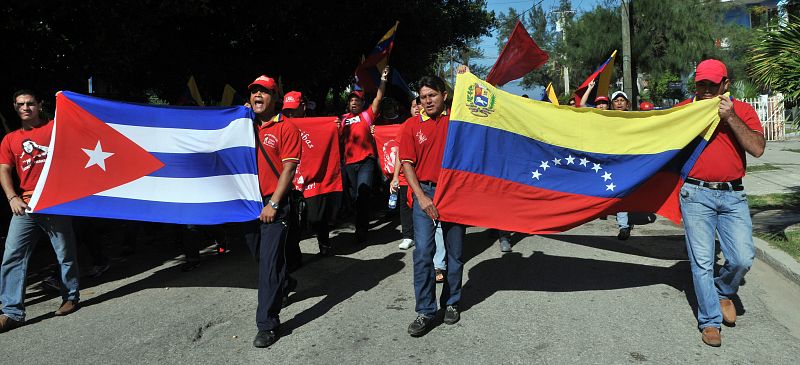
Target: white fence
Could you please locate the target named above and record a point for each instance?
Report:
(771, 112)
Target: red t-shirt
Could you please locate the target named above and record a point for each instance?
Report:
(27, 151)
(281, 140)
(356, 137)
(401, 178)
(422, 144)
(723, 158)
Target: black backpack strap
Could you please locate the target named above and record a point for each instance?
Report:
(264, 152)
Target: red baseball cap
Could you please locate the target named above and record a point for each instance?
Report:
(711, 70)
(601, 98)
(357, 93)
(292, 100)
(646, 105)
(264, 81)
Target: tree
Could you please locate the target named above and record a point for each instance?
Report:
(775, 58)
(141, 45)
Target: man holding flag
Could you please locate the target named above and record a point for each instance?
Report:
(25, 151)
(278, 145)
(713, 202)
(421, 150)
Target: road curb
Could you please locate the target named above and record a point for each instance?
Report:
(778, 260)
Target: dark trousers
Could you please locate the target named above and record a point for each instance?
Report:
(360, 177)
(294, 257)
(406, 213)
(267, 243)
(321, 211)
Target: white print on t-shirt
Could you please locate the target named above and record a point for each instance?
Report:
(421, 137)
(270, 141)
(307, 139)
(353, 120)
(32, 153)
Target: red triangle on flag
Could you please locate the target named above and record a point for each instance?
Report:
(88, 157)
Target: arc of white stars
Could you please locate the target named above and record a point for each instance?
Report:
(536, 175)
(556, 161)
(584, 161)
(596, 167)
(570, 160)
(610, 186)
(606, 176)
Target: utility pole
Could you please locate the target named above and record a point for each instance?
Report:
(627, 77)
(561, 26)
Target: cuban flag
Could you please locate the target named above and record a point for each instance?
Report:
(184, 165)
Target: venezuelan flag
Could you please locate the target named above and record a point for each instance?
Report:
(369, 71)
(603, 77)
(529, 166)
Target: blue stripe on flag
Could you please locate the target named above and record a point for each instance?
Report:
(151, 211)
(509, 156)
(162, 116)
(229, 161)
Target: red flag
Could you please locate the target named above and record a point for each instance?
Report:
(388, 143)
(319, 171)
(519, 56)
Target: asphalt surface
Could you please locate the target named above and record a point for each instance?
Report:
(577, 297)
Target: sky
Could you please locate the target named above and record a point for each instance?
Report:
(489, 44)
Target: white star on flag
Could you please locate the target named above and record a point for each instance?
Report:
(611, 187)
(584, 161)
(556, 161)
(544, 165)
(606, 176)
(536, 175)
(570, 160)
(596, 167)
(97, 156)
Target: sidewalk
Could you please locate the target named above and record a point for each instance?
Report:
(786, 179)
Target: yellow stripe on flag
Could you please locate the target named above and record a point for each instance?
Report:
(585, 129)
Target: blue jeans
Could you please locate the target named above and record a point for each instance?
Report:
(622, 220)
(424, 276)
(360, 177)
(725, 212)
(23, 233)
(441, 252)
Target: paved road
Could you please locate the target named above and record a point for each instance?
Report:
(581, 296)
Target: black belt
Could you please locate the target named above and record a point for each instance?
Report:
(428, 184)
(735, 185)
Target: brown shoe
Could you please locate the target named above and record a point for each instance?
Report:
(728, 311)
(8, 324)
(712, 337)
(67, 307)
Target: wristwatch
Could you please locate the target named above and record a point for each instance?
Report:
(274, 205)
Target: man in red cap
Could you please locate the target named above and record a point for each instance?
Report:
(713, 202)
(278, 155)
(358, 149)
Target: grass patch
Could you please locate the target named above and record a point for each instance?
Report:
(774, 201)
(797, 150)
(764, 167)
(790, 243)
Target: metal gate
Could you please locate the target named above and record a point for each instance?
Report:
(770, 111)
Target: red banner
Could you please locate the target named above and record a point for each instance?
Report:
(519, 56)
(319, 171)
(387, 141)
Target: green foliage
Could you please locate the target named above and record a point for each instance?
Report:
(743, 89)
(775, 58)
(659, 87)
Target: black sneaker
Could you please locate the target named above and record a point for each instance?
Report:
(451, 315)
(265, 338)
(624, 234)
(420, 326)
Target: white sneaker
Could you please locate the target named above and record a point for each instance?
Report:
(406, 244)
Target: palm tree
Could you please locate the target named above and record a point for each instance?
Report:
(775, 58)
